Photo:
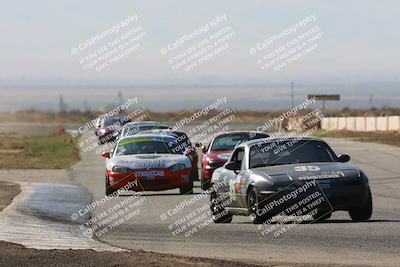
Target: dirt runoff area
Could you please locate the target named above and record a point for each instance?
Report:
(17, 255)
(7, 192)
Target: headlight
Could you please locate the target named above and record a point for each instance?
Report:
(121, 169)
(215, 164)
(178, 167)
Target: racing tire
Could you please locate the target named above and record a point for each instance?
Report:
(205, 185)
(364, 212)
(194, 174)
(218, 212)
(253, 203)
(109, 190)
(187, 189)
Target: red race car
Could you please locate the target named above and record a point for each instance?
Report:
(109, 129)
(219, 150)
(149, 162)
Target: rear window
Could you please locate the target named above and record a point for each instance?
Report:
(228, 142)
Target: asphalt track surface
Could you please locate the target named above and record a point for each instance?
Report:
(335, 241)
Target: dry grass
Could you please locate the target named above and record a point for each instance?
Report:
(37, 152)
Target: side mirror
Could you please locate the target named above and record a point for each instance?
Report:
(344, 158)
(233, 165)
(106, 155)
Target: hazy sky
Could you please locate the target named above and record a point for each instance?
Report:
(361, 40)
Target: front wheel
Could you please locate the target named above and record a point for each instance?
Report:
(219, 214)
(253, 204)
(364, 212)
(187, 189)
(205, 184)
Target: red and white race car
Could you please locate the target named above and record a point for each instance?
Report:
(148, 162)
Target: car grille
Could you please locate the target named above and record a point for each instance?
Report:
(153, 183)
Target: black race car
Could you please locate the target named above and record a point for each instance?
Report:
(297, 176)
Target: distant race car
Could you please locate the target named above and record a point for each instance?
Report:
(137, 127)
(219, 150)
(148, 162)
(266, 177)
(109, 129)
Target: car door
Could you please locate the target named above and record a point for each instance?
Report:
(233, 178)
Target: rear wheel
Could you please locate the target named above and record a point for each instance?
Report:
(364, 212)
(109, 189)
(219, 214)
(187, 189)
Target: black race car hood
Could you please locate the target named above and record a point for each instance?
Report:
(306, 171)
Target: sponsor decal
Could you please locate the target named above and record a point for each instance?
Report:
(149, 174)
(153, 163)
(307, 168)
(324, 175)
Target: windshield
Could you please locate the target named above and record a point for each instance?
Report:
(290, 152)
(228, 142)
(146, 146)
(111, 121)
